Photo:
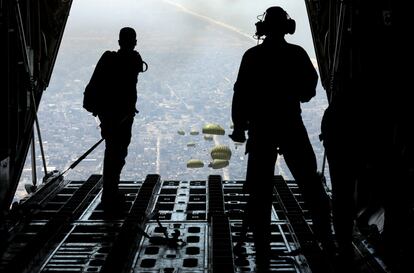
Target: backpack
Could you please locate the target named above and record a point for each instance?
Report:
(101, 80)
(90, 99)
(91, 96)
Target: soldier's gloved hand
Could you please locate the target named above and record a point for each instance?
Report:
(238, 136)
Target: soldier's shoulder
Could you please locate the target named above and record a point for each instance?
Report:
(296, 48)
(251, 52)
(107, 55)
(137, 55)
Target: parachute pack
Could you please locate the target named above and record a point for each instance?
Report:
(91, 98)
(102, 78)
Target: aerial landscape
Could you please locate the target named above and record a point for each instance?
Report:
(193, 56)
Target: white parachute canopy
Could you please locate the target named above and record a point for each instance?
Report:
(218, 164)
(195, 163)
(221, 152)
(213, 129)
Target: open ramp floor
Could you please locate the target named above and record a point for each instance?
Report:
(165, 226)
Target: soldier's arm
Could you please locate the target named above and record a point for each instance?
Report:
(239, 103)
(309, 77)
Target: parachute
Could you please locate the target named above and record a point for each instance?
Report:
(195, 163)
(194, 132)
(213, 129)
(221, 152)
(181, 132)
(218, 163)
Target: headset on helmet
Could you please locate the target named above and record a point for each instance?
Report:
(278, 16)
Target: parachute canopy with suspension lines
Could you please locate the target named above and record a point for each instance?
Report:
(194, 132)
(218, 163)
(195, 163)
(221, 152)
(213, 129)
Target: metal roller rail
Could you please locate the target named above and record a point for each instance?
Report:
(35, 247)
(165, 226)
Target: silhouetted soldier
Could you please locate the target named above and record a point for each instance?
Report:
(274, 78)
(111, 94)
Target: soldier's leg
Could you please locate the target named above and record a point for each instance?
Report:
(260, 172)
(117, 139)
(110, 185)
(122, 141)
(343, 179)
(110, 178)
(300, 158)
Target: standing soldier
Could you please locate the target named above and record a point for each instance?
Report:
(274, 78)
(111, 95)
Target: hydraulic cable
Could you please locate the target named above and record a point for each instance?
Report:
(82, 157)
(333, 69)
(39, 135)
(29, 70)
(33, 151)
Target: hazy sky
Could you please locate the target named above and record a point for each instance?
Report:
(239, 15)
